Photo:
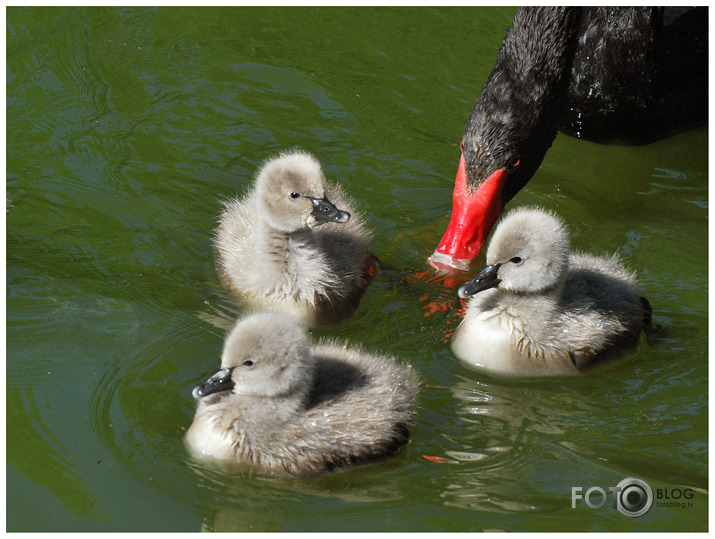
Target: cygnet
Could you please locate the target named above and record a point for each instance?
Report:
(283, 407)
(538, 309)
(294, 243)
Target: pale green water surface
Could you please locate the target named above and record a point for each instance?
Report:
(126, 128)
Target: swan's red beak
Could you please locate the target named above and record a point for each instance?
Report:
(473, 216)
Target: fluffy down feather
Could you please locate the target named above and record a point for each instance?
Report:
(271, 251)
(549, 311)
(301, 410)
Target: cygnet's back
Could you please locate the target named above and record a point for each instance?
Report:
(295, 243)
(279, 406)
(540, 310)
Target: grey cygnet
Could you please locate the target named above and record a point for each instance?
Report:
(294, 243)
(281, 406)
(538, 309)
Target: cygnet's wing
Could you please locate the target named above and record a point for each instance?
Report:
(361, 403)
(603, 305)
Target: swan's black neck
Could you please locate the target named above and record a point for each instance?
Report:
(514, 118)
(538, 50)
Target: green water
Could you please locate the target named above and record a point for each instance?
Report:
(126, 128)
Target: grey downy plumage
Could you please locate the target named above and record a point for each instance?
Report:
(538, 309)
(294, 243)
(280, 405)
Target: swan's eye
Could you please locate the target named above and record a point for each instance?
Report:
(514, 162)
(461, 146)
(516, 260)
(295, 195)
(247, 363)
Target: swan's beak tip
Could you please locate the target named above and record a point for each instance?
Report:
(448, 263)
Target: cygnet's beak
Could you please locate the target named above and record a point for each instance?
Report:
(325, 211)
(220, 381)
(485, 279)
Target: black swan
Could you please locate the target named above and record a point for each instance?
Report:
(628, 75)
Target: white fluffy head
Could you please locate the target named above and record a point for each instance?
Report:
(532, 246)
(283, 185)
(270, 356)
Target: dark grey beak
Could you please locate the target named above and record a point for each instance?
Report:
(221, 381)
(485, 279)
(324, 210)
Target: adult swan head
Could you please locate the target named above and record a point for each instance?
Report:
(605, 74)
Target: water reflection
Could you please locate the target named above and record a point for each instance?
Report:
(510, 434)
(521, 446)
(244, 500)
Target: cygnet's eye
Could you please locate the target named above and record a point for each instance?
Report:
(295, 195)
(248, 363)
(516, 260)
